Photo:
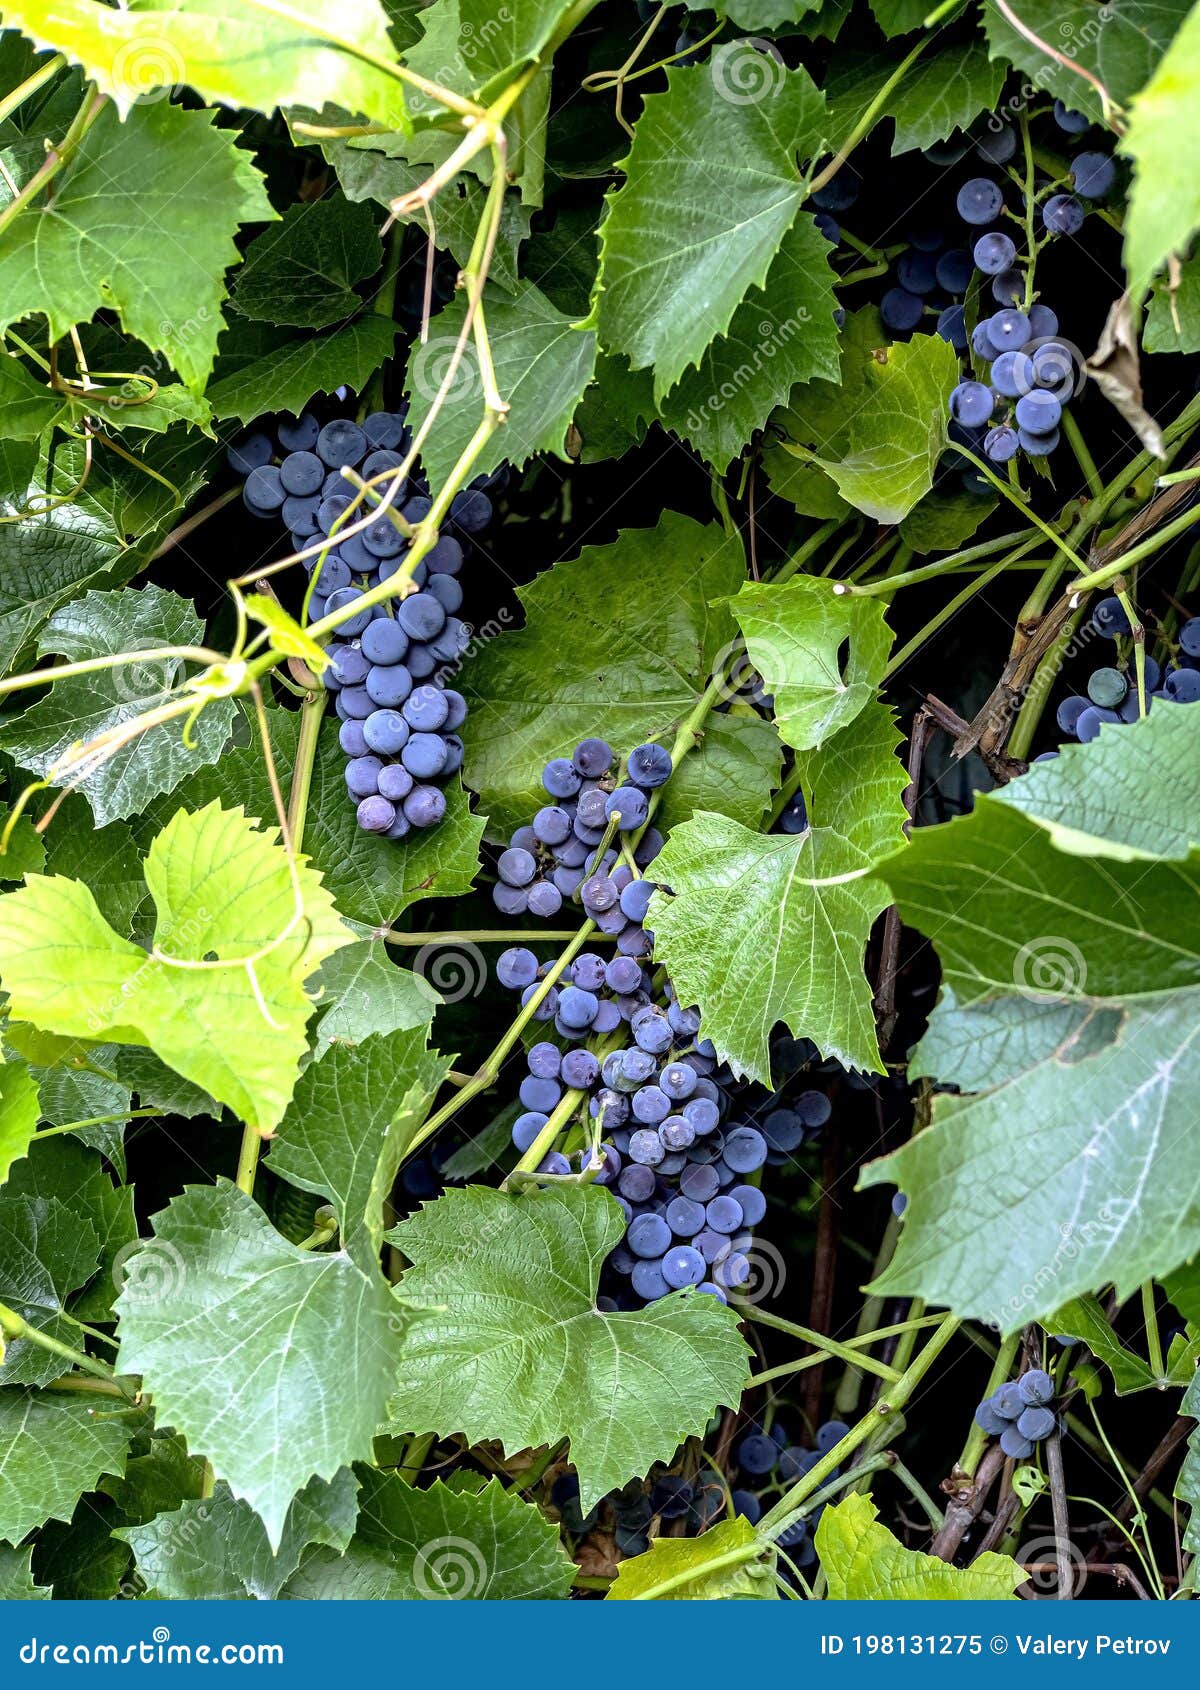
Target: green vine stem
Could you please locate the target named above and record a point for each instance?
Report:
(806, 1335)
(15, 1326)
(891, 1401)
(93, 104)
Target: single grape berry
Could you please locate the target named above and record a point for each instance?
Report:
(979, 201)
(1062, 214)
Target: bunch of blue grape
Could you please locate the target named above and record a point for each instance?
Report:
(389, 663)
(1111, 694)
(1022, 377)
(769, 1462)
(1020, 1413)
(554, 856)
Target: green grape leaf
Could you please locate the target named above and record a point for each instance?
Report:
(1164, 205)
(880, 434)
(943, 522)
(439, 1545)
(64, 1171)
(216, 1550)
(1187, 1484)
(223, 892)
(144, 219)
(361, 991)
(767, 14)
(157, 1481)
(303, 270)
(348, 1125)
(899, 17)
(105, 859)
(236, 52)
(16, 1577)
(45, 1254)
(1084, 1318)
(372, 880)
(262, 368)
(1091, 800)
(864, 1562)
(504, 1340)
(801, 483)
(1120, 47)
(378, 167)
(806, 902)
(736, 766)
(80, 1559)
(1170, 307)
(84, 707)
(52, 1449)
(496, 39)
(20, 1111)
(159, 1087)
(616, 411)
(27, 409)
(794, 634)
(543, 363)
(640, 621)
(681, 248)
(273, 1362)
(1076, 1167)
(935, 97)
(781, 334)
(101, 537)
(680, 1569)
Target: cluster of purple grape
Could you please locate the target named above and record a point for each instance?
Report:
(1031, 376)
(639, 1505)
(1112, 690)
(553, 858)
(769, 1461)
(1020, 1413)
(388, 663)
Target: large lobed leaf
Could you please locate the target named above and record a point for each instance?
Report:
(863, 1561)
(52, 1449)
(1071, 1161)
(712, 186)
(761, 928)
(542, 360)
(505, 1341)
(238, 52)
(222, 996)
(348, 1125)
(273, 1362)
(641, 624)
(439, 1545)
(143, 222)
(83, 707)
